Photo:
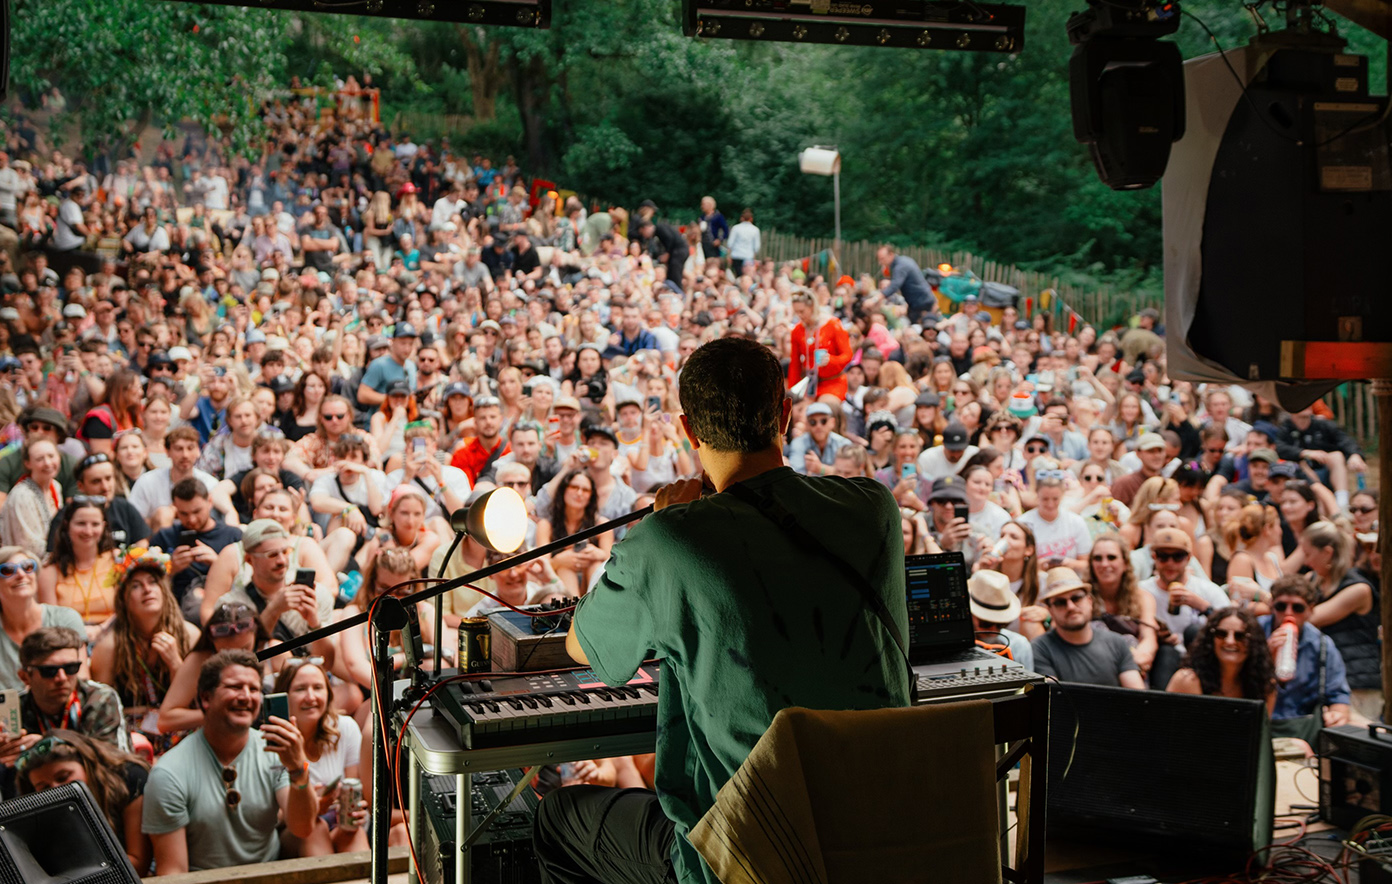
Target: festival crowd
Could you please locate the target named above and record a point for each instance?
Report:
(241, 397)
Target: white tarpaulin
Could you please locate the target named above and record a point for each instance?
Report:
(1210, 97)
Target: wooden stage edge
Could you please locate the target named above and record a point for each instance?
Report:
(309, 870)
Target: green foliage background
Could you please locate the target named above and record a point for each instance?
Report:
(940, 148)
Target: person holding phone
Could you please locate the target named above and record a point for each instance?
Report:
(949, 523)
(195, 539)
(445, 487)
(289, 601)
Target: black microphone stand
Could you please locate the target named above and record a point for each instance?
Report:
(388, 614)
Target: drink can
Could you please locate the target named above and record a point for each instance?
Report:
(350, 794)
(475, 645)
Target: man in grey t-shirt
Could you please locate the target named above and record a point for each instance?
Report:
(1073, 651)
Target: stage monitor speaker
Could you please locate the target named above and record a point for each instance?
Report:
(1293, 189)
(1179, 771)
(60, 837)
(1355, 773)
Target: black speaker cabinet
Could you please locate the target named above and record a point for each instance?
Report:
(60, 837)
(1355, 767)
(1179, 771)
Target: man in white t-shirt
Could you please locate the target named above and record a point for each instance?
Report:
(10, 187)
(948, 458)
(1061, 537)
(152, 492)
(71, 230)
(1193, 596)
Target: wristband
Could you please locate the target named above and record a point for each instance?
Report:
(302, 772)
(346, 510)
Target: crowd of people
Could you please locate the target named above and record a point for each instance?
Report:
(241, 397)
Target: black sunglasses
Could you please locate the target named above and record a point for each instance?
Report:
(1237, 635)
(229, 776)
(1293, 607)
(1170, 555)
(51, 671)
(92, 460)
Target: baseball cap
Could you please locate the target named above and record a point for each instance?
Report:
(270, 274)
(1171, 538)
(818, 408)
(457, 389)
(566, 402)
(1150, 441)
(927, 399)
(179, 354)
(159, 357)
(376, 342)
(74, 311)
(488, 323)
(281, 384)
(51, 416)
(1265, 455)
(1284, 470)
(949, 488)
(398, 388)
(261, 530)
(255, 336)
(599, 430)
(1266, 428)
(955, 437)
(405, 330)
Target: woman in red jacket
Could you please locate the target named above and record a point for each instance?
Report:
(811, 335)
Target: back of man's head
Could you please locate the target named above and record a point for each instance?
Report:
(732, 393)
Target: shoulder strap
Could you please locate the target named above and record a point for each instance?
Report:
(785, 520)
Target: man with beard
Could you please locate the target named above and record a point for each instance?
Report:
(214, 799)
(1073, 650)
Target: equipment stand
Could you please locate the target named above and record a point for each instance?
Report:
(388, 615)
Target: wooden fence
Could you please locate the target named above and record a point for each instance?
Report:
(1101, 306)
(1355, 409)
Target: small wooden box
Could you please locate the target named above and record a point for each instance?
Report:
(516, 649)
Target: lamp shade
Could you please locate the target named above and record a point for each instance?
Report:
(497, 520)
(819, 161)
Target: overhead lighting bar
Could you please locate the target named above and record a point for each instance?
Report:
(510, 13)
(903, 24)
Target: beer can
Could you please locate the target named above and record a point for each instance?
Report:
(350, 794)
(475, 645)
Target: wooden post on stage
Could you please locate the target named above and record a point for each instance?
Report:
(1382, 394)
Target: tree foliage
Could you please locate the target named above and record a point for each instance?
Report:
(972, 149)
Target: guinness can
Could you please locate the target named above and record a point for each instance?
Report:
(475, 645)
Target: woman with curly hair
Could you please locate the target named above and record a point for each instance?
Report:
(1228, 658)
(146, 644)
(333, 743)
(116, 780)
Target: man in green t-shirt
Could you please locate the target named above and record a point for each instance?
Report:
(745, 620)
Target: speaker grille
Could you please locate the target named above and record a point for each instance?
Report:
(60, 837)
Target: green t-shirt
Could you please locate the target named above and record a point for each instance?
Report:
(746, 623)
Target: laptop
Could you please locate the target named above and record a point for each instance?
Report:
(942, 637)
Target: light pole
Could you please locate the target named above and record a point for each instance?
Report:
(826, 161)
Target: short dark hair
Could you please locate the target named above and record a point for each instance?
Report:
(188, 489)
(1290, 584)
(211, 673)
(41, 642)
(181, 434)
(732, 393)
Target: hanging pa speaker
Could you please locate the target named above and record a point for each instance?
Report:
(60, 837)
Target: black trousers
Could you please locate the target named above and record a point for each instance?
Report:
(598, 835)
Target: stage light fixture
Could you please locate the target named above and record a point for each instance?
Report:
(1127, 89)
(511, 13)
(904, 24)
(496, 520)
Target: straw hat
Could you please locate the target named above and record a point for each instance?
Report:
(1059, 581)
(991, 599)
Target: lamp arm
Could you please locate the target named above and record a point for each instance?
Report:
(449, 585)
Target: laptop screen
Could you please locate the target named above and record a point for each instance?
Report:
(939, 616)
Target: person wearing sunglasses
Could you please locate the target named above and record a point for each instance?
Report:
(1073, 650)
(1228, 658)
(1318, 695)
(116, 780)
(1175, 586)
(21, 613)
(213, 801)
(231, 626)
(50, 666)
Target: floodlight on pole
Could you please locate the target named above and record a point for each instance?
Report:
(826, 161)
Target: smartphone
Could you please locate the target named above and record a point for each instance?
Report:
(581, 545)
(9, 712)
(960, 511)
(278, 705)
(654, 403)
(304, 576)
(187, 537)
(418, 445)
(908, 471)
